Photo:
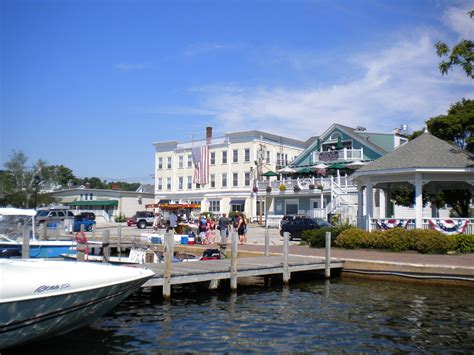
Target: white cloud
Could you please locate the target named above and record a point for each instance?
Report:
(400, 84)
(457, 19)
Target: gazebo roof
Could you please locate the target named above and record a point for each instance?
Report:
(425, 151)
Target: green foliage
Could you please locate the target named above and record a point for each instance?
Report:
(316, 238)
(399, 239)
(463, 243)
(120, 218)
(462, 54)
(282, 187)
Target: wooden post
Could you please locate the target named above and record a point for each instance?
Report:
(286, 271)
(81, 246)
(25, 247)
(267, 241)
(106, 245)
(119, 240)
(168, 251)
(213, 284)
(327, 270)
(233, 261)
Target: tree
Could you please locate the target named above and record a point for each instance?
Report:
(462, 54)
(457, 126)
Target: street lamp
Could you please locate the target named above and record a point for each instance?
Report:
(36, 181)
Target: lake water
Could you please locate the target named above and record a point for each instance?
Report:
(338, 315)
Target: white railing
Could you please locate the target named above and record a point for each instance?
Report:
(337, 155)
(410, 223)
(343, 182)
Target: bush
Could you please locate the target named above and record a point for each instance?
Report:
(120, 218)
(282, 187)
(431, 241)
(351, 238)
(463, 243)
(399, 239)
(316, 238)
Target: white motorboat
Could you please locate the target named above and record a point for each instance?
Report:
(44, 298)
(14, 223)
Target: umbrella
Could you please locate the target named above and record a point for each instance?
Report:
(339, 143)
(355, 164)
(337, 166)
(304, 170)
(269, 173)
(287, 170)
(320, 166)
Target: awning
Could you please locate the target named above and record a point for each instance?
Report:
(164, 201)
(237, 202)
(269, 174)
(93, 203)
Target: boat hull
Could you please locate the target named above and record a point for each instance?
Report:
(63, 305)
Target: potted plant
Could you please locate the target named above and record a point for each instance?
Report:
(320, 187)
(311, 186)
(255, 189)
(296, 188)
(282, 187)
(269, 189)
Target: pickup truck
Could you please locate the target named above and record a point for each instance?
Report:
(297, 226)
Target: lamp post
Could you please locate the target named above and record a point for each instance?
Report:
(36, 181)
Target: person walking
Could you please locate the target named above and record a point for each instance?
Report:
(173, 220)
(242, 229)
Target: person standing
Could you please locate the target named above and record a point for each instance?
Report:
(242, 229)
(223, 225)
(173, 220)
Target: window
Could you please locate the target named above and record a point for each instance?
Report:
(291, 206)
(189, 182)
(214, 206)
(213, 158)
(235, 156)
(213, 180)
(190, 161)
(246, 155)
(181, 161)
(235, 179)
(90, 197)
(247, 179)
(169, 163)
(160, 163)
(160, 184)
(180, 183)
(268, 157)
(224, 157)
(224, 180)
(168, 183)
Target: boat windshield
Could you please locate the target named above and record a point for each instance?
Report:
(13, 227)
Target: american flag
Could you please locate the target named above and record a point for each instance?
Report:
(201, 165)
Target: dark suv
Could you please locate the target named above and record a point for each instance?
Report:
(297, 226)
(88, 215)
(142, 219)
(289, 217)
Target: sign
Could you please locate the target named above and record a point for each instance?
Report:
(330, 155)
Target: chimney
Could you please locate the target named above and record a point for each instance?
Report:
(208, 135)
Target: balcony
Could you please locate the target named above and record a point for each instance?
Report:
(340, 155)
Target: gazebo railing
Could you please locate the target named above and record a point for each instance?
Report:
(444, 225)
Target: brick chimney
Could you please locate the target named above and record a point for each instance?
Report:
(208, 135)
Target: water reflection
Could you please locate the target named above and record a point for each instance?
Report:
(337, 315)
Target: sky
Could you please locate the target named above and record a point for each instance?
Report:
(92, 84)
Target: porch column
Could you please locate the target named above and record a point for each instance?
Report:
(388, 202)
(369, 196)
(418, 201)
(360, 207)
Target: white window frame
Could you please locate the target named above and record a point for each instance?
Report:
(212, 159)
(189, 183)
(180, 161)
(168, 163)
(168, 183)
(247, 179)
(292, 202)
(224, 178)
(190, 161)
(180, 182)
(224, 157)
(160, 163)
(235, 182)
(235, 155)
(247, 155)
(212, 180)
(160, 184)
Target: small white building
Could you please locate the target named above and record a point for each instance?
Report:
(235, 162)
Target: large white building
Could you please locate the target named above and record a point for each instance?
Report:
(236, 160)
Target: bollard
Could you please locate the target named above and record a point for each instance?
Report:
(233, 261)
(106, 245)
(267, 241)
(168, 253)
(327, 270)
(286, 270)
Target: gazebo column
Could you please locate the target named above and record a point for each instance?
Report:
(418, 201)
(360, 207)
(369, 194)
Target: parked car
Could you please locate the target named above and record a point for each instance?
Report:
(289, 217)
(297, 226)
(88, 215)
(53, 214)
(86, 222)
(142, 219)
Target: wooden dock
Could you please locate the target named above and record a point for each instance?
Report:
(214, 270)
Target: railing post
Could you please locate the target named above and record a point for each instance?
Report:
(267, 241)
(286, 270)
(327, 269)
(233, 261)
(168, 251)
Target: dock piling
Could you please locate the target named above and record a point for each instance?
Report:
(233, 264)
(327, 270)
(267, 241)
(168, 254)
(106, 245)
(286, 269)
(25, 247)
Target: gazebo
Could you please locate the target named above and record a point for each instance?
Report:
(426, 162)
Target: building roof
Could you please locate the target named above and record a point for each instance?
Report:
(425, 151)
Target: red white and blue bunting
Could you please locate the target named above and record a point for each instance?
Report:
(449, 226)
(392, 223)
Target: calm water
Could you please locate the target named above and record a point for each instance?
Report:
(340, 315)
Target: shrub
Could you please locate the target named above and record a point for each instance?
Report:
(311, 186)
(431, 241)
(282, 187)
(316, 238)
(463, 243)
(120, 218)
(296, 188)
(341, 226)
(375, 240)
(269, 189)
(399, 239)
(351, 238)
